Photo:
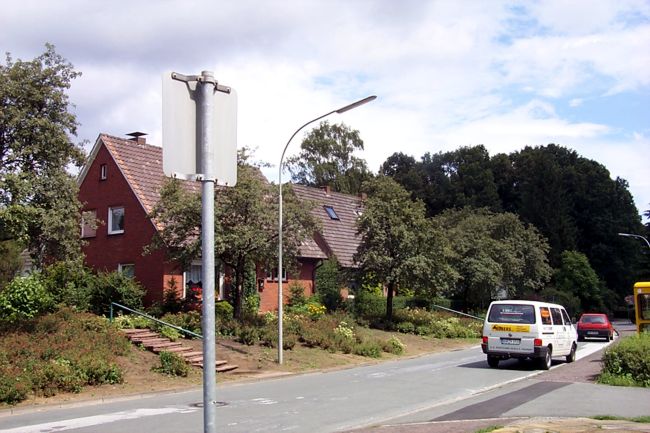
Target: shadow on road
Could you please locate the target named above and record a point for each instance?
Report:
(510, 364)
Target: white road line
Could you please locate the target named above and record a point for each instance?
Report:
(589, 348)
(74, 423)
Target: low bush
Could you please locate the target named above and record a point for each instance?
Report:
(59, 352)
(248, 335)
(172, 364)
(114, 287)
(168, 332)
(132, 321)
(69, 283)
(223, 310)
(190, 321)
(394, 345)
(628, 362)
(370, 348)
(24, 298)
(439, 325)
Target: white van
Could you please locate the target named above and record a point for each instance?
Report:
(528, 329)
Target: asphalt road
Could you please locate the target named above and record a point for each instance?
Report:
(451, 385)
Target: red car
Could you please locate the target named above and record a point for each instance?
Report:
(595, 325)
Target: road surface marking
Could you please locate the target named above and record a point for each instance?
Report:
(74, 423)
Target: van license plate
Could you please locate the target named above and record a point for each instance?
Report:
(510, 341)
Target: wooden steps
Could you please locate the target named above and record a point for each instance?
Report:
(156, 343)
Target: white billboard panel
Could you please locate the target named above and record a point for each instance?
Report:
(181, 157)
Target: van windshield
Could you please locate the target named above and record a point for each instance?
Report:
(512, 313)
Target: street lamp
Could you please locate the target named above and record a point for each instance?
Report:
(280, 298)
(629, 235)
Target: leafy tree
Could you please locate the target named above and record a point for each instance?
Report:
(399, 247)
(38, 198)
(245, 225)
(11, 262)
(576, 276)
(463, 177)
(326, 159)
(328, 284)
(409, 173)
(494, 254)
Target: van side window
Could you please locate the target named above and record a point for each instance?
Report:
(546, 316)
(557, 316)
(567, 319)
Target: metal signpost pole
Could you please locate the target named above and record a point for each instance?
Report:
(200, 143)
(205, 89)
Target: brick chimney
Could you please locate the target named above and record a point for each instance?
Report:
(327, 189)
(138, 137)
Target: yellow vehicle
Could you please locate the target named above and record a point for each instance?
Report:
(642, 306)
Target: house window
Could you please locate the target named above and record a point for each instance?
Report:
(192, 279)
(272, 275)
(330, 211)
(126, 269)
(115, 220)
(88, 224)
(103, 170)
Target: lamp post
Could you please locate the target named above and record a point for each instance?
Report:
(630, 235)
(280, 298)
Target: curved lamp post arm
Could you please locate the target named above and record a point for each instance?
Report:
(279, 274)
(630, 235)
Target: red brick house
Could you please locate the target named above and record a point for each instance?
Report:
(121, 183)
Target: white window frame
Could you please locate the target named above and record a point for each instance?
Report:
(123, 266)
(103, 172)
(110, 220)
(86, 230)
(221, 288)
(272, 274)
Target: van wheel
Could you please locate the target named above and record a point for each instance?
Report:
(493, 361)
(545, 362)
(572, 355)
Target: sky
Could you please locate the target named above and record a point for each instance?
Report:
(504, 74)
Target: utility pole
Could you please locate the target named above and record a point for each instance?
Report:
(196, 150)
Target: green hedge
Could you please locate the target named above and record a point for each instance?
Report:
(628, 362)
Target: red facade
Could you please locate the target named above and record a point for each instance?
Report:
(127, 174)
(106, 252)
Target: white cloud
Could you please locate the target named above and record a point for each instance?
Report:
(447, 73)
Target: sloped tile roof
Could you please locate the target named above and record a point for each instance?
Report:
(340, 235)
(142, 167)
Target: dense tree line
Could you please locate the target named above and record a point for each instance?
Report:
(571, 200)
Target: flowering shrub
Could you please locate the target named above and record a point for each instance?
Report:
(315, 310)
(344, 330)
(394, 345)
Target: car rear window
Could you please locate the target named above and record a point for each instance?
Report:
(593, 319)
(511, 313)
